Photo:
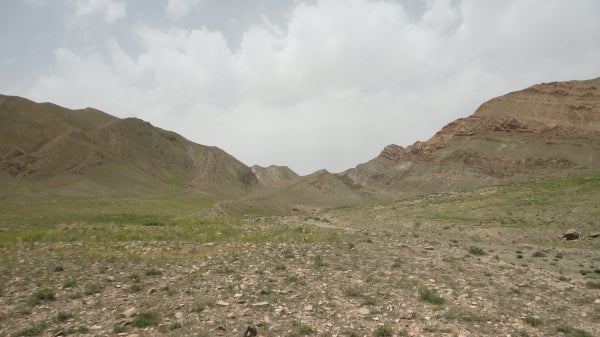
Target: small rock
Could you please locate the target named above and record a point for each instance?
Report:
(364, 311)
(597, 301)
(260, 304)
(594, 234)
(96, 327)
(179, 315)
(308, 308)
(129, 312)
(571, 234)
(133, 335)
(222, 303)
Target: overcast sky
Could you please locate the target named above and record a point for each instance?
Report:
(310, 84)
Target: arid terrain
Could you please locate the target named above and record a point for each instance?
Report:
(112, 227)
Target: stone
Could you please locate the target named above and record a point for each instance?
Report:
(571, 234)
(308, 308)
(129, 312)
(222, 303)
(260, 304)
(179, 315)
(364, 311)
(594, 234)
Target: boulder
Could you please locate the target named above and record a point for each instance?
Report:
(571, 234)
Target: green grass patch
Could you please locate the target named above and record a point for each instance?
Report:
(145, 319)
(431, 296)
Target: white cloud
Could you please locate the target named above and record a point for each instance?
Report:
(339, 82)
(179, 8)
(110, 10)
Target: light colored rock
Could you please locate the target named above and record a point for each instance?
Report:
(260, 304)
(179, 315)
(129, 312)
(222, 303)
(364, 311)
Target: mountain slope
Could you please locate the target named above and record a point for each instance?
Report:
(546, 130)
(45, 147)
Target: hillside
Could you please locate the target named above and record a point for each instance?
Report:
(546, 130)
(49, 149)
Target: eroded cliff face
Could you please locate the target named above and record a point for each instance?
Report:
(546, 130)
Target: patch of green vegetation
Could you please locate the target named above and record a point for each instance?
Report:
(461, 314)
(539, 253)
(63, 316)
(153, 272)
(383, 331)
(301, 329)
(92, 289)
(431, 296)
(474, 250)
(42, 295)
(592, 285)
(145, 319)
(533, 320)
(569, 331)
(32, 330)
(69, 283)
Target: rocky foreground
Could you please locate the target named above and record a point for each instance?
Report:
(300, 276)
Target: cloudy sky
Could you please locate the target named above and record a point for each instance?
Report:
(310, 84)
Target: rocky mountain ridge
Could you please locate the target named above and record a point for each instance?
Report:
(545, 130)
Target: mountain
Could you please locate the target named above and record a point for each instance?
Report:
(48, 148)
(546, 130)
(275, 175)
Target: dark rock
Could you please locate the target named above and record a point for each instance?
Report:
(571, 234)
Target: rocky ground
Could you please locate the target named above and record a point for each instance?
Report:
(301, 276)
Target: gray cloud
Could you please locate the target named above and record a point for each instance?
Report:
(335, 81)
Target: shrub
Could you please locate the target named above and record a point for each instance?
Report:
(476, 250)
(430, 296)
(145, 319)
(45, 294)
(533, 321)
(383, 331)
(572, 332)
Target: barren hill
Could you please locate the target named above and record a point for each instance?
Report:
(545, 130)
(45, 147)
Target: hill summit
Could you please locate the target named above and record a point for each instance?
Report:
(45, 147)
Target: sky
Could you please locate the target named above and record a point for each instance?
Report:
(310, 84)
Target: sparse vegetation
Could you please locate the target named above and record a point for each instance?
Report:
(145, 319)
(569, 331)
(431, 296)
(533, 320)
(383, 331)
(476, 250)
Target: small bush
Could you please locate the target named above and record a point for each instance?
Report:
(318, 261)
(592, 285)
(69, 283)
(476, 250)
(145, 319)
(539, 254)
(153, 272)
(430, 296)
(572, 332)
(41, 295)
(383, 331)
(533, 321)
(64, 316)
(92, 289)
(33, 330)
